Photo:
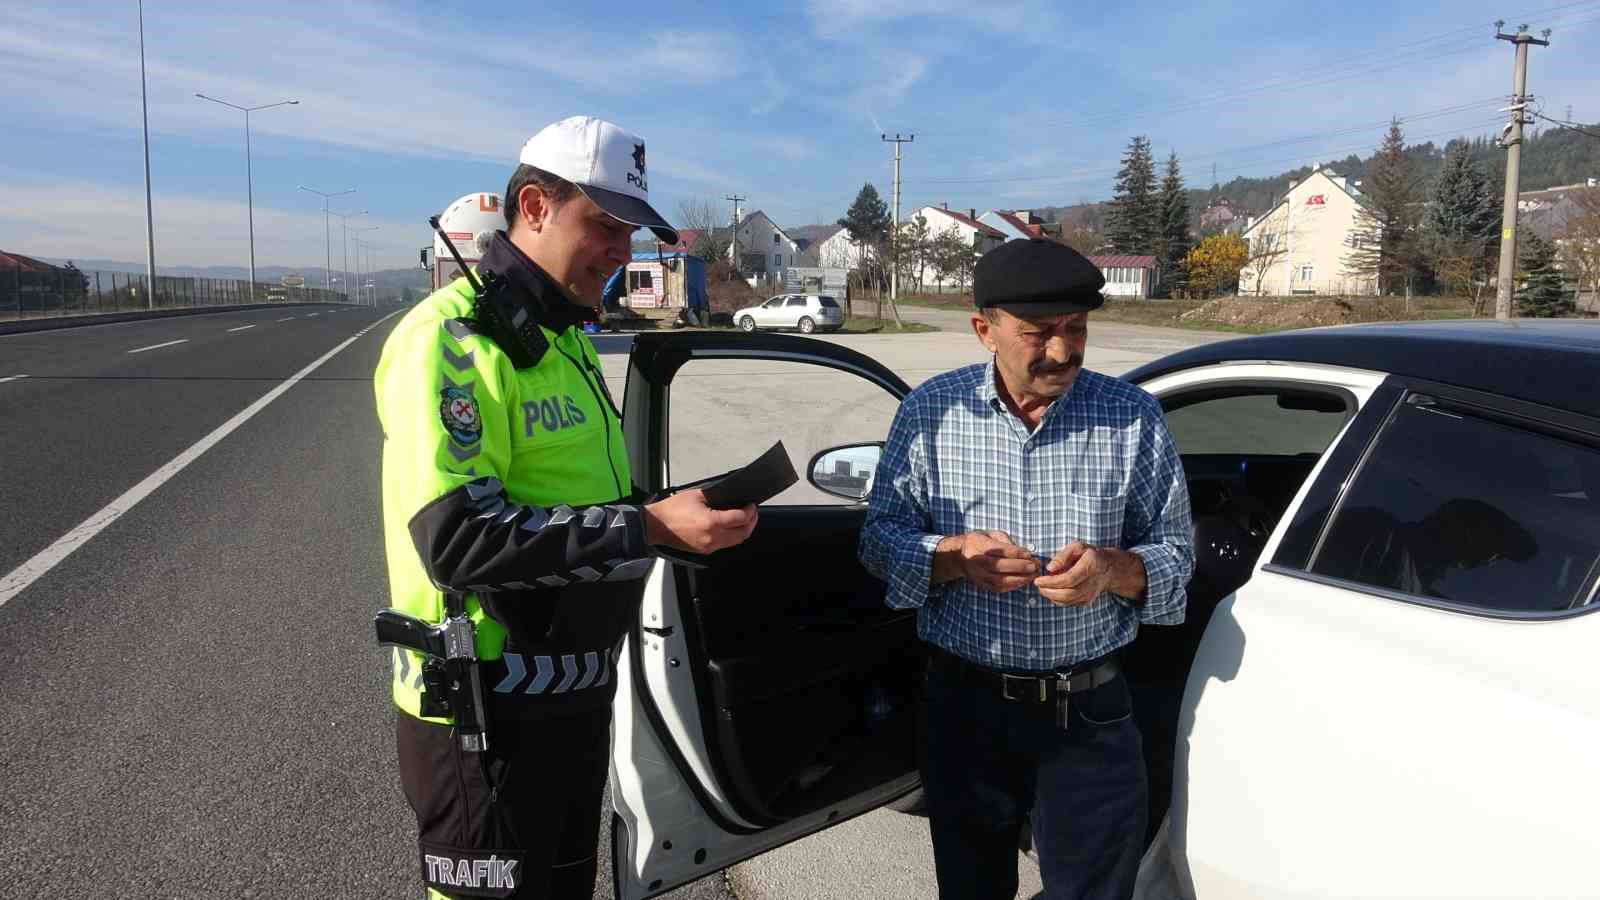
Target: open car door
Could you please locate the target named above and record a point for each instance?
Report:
(771, 693)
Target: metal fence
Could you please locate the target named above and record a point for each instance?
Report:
(65, 292)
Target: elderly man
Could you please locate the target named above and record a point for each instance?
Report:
(1035, 513)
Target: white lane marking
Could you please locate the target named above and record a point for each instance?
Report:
(240, 328)
(285, 318)
(11, 378)
(311, 315)
(159, 346)
(19, 578)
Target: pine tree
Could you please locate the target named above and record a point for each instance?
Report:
(1386, 243)
(1133, 223)
(867, 220)
(1461, 221)
(1176, 239)
(1462, 206)
(1544, 293)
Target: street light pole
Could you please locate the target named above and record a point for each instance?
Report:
(249, 178)
(149, 215)
(359, 245)
(327, 237)
(344, 238)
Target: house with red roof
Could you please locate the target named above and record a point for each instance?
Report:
(941, 219)
(1128, 276)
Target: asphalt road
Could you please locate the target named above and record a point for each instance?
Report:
(194, 704)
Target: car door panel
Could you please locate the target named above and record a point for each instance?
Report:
(1334, 742)
(1159, 662)
(1406, 748)
(770, 692)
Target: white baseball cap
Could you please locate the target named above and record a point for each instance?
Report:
(605, 162)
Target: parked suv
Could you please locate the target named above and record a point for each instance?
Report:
(805, 312)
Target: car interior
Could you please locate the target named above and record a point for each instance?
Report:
(808, 685)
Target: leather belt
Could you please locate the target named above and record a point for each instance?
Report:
(1041, 687)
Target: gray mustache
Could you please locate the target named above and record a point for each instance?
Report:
(1073, 362)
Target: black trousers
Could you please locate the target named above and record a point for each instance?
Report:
(989, 762)
(519, 820)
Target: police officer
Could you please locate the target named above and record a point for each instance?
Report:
(505, 478)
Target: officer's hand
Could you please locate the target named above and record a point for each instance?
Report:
(685, 522)
(989, 560)
(1076, 575)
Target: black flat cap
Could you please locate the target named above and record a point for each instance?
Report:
(1037, 277)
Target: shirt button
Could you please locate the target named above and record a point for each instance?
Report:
(1033, 654)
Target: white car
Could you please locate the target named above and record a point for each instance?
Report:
(804, 312)
(1385, 686)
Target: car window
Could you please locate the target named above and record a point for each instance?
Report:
(797, 301)
(1261, 421)
(828, 302)
(774, 303)
(724, 413)
(1455, 506)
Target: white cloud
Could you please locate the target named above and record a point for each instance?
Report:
(368, 76)
(1030, 20)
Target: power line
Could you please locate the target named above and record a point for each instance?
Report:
(1569, 126)
(1352, 67)
(1328, 154)
(1424, 115)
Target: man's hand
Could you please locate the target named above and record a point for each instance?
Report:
(1080, 573)
(685, 522)
(988, 559)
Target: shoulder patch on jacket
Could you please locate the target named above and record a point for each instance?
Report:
(458, 411)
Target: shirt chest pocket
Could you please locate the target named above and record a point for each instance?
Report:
(1093, 518)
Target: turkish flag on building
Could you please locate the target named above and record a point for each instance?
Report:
(1317, 200)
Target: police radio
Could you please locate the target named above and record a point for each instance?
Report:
(502, 320)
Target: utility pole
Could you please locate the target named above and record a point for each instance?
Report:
(894, 272)
(1511, 139)
(734, 199)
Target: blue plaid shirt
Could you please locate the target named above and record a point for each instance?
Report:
(1101, 468)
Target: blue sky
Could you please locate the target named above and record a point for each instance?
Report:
(1014, 104)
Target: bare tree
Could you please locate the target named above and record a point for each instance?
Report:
(701, 214)
(1268, 244)
(1580, 241)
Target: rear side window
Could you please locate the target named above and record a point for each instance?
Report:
(1456, 506)
(828, 302)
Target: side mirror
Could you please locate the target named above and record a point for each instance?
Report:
(846, 471)
(427, 259)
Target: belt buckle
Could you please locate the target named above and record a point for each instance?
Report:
(1042, 687)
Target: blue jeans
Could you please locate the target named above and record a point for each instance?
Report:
(989, 762)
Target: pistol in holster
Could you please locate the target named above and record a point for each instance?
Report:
(451, 680)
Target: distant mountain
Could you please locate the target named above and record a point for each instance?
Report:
(1550, 157)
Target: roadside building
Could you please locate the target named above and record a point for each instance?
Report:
(1130, 277)
(1301, 245)
(766, 250)
(981, 237)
